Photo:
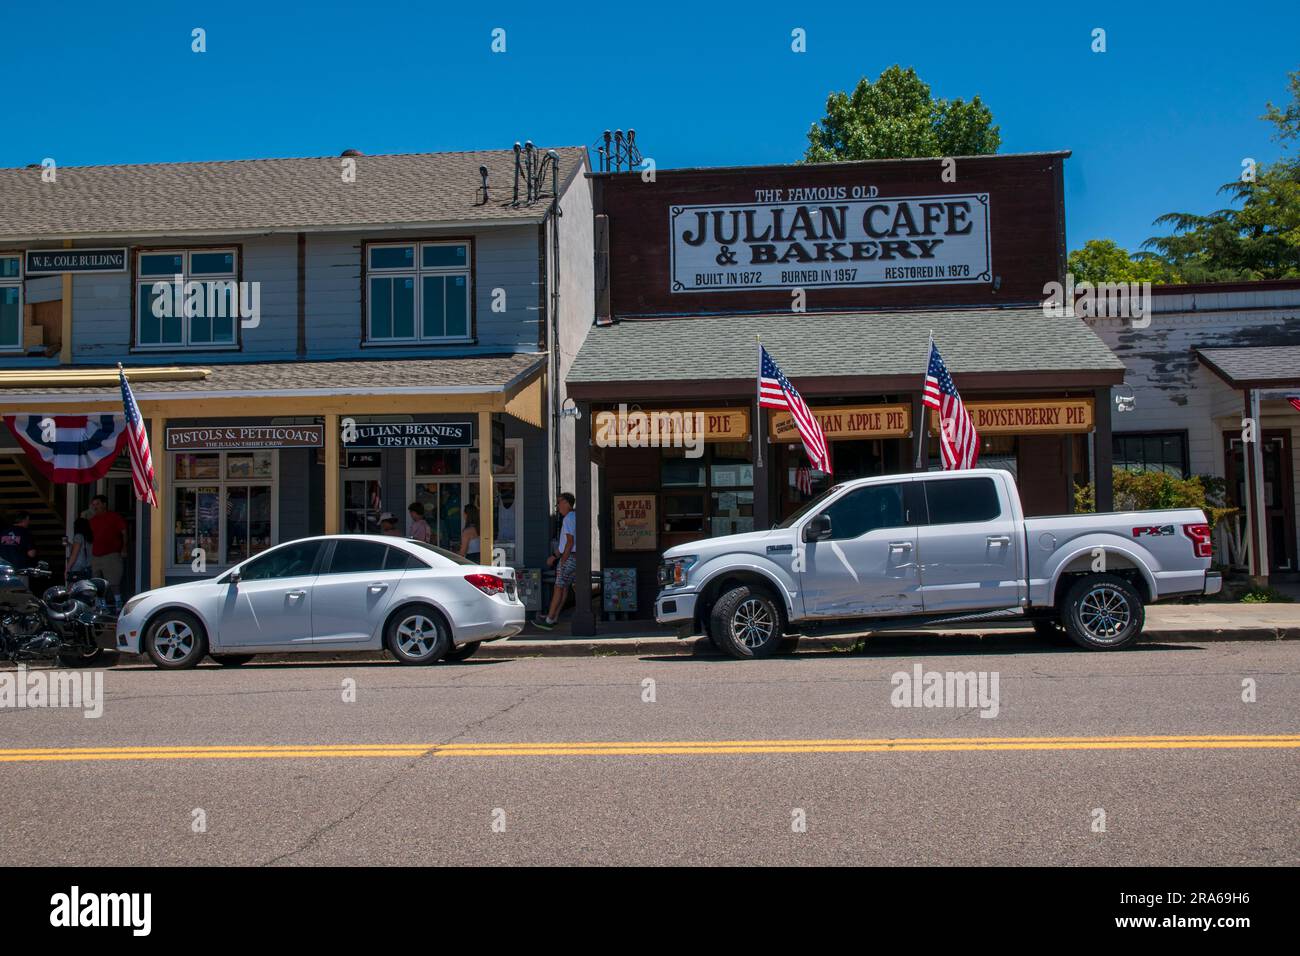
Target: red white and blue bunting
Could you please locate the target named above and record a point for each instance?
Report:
(70, 449)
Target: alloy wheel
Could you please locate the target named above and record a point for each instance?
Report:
(417, 636)
(752, 623)
(1105, 613)
(174, 641)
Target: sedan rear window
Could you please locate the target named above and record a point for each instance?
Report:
(443, 553)
(962, 500)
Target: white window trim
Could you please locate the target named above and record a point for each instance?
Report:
(416, 274)
(466, 479)
(174, 483)
(186, 276)
(16, 282)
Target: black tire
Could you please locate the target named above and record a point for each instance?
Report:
(462, 651)
(1103, 612)
(175, 640)
(746, 622)
(416, 635)
(232, 660)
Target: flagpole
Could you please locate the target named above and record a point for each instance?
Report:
(758, 404)
(923, 440)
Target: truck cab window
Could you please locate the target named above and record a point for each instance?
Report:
(867, 509)
(962, 500)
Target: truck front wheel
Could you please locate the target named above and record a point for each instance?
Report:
(746, 622)
(1103, 612)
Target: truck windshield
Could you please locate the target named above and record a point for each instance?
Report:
(808, 506)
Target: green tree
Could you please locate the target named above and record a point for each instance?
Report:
(1261, 238)
(1104, 260)
(896, 118)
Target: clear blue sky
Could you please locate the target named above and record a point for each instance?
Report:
(1156, 123)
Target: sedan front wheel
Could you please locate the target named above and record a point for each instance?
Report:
(175, 641)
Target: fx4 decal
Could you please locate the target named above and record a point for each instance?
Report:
(1155, 530)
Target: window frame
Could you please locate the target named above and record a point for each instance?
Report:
(137, 280)
(1143, 434)
(468, 481)
(16, 282)
(174, 485)
(924, 488)
(904, 498)
(417, 273)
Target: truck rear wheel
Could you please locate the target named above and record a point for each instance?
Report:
(1103, 612)
(746, 622)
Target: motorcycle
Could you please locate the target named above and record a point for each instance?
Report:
(72, 624)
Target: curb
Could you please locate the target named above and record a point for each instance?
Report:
(927, 642)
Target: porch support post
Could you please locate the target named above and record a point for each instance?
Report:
(763, 511)
(332, 508)
(1103, 452)
(485, 529)
(584, 619)
(1256, 507)
(158, 523)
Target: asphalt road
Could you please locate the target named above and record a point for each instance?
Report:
(477, 763)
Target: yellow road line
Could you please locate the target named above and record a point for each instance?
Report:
(649, 748)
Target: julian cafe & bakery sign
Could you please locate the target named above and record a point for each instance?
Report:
(839, 236)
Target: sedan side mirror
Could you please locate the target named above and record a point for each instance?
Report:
(819, 529)
(234, 576)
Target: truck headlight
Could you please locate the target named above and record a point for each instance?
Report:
(673, 572)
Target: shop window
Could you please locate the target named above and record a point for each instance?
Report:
(1152, 451)
(418, 292)
(205, 321)
(724, 501)
(445, 481)
(224, 504)
(11, 303)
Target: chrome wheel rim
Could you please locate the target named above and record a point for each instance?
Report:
(753, 623)
(417, 636)
(1104, 613)
(174, 641)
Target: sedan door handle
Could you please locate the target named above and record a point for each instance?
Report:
(295, 594)
(900, 546)
(378, 588)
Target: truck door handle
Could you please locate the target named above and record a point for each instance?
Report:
(999, 539)
(900, 546)
(378, 588)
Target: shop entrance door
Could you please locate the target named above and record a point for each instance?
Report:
(1279, 493)
(363, 501)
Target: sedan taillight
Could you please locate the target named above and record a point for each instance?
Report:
(487, 583)
(1202, 544)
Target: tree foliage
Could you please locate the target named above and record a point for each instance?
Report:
(897, 117)
(1104, 260)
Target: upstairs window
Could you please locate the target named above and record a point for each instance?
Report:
(203, 320)
(11, 303)
(418, 292)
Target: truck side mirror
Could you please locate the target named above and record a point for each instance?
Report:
(819, 529)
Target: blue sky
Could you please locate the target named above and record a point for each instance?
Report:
(1156, 123)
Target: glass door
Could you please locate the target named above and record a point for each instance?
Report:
(363, 501)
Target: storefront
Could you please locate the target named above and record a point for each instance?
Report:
(842, 272)
(336, 459)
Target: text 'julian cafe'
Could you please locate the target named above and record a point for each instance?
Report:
(842, 271)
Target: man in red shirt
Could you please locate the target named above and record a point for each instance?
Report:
(108, 550)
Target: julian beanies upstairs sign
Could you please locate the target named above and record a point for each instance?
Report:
(843, 242)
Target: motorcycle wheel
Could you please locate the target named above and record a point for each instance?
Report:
(81, 657)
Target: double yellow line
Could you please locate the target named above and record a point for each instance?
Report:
(654, 748)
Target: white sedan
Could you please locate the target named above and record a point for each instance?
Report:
(324, 594)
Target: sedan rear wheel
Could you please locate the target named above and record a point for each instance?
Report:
(416, 635)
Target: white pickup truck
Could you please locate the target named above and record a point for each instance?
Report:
(928, 548)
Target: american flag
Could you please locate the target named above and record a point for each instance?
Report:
(137, 444)
(959, 443)
(775, 391)
(803, 480)
(1295, 402)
